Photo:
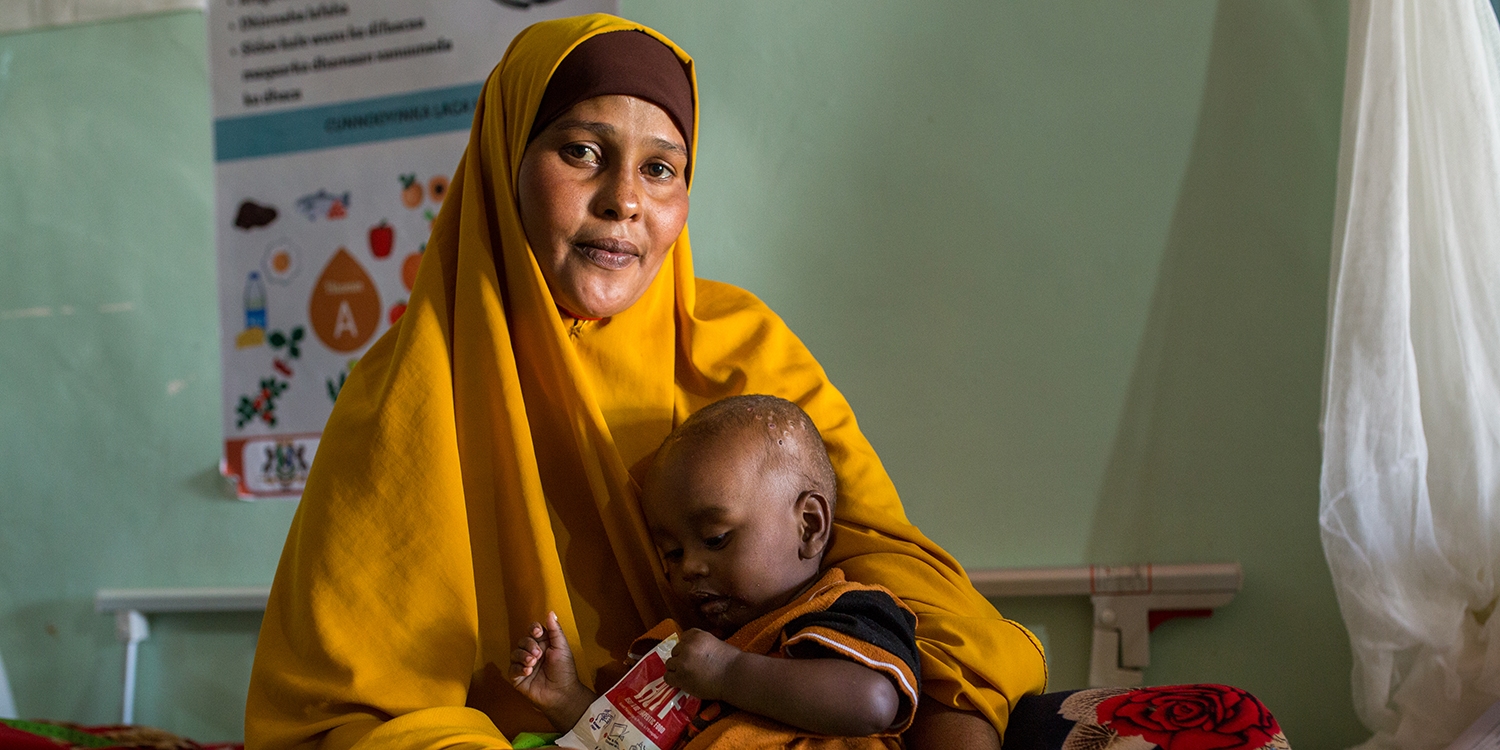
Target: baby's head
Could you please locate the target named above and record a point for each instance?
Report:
(740, 504)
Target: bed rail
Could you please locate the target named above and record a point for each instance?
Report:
(131, 606)
(1129, 602)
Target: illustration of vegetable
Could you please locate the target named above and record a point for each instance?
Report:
(263, 406)
(430, 217)
(277, 339)
(282, 367)
(397, 310)
(335, 388)
(382, 239)
(411, 191)
(437, 188)
(409, 268)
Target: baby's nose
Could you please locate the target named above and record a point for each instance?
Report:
(694, 568)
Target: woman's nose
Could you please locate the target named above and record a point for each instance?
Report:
(618, 198)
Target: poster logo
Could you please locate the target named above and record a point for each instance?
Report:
(276, 467)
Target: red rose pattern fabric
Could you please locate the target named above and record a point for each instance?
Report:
(1191, 717)
(39, 734)
(1177, 717)
(1180, 717)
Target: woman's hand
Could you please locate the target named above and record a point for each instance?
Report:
(700, 664)
(542, 669)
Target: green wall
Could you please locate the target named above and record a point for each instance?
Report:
(109, 425)
(1068, 259)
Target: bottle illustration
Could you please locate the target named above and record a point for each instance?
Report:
(255, 302)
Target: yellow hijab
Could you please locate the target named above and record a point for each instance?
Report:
(476, 473)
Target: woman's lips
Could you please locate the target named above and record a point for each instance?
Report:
(608, 252)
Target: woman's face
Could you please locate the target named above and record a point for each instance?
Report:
(603, 195)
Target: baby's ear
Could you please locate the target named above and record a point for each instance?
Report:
(816, 517)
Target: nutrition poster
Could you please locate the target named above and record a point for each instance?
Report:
(336, 128)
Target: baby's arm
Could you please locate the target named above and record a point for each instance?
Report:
(542, 669)
(829, 695)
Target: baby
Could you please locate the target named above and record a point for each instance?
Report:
(740, 502)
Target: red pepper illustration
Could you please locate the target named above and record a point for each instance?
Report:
(382, 239)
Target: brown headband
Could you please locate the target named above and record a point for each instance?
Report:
(629, 63)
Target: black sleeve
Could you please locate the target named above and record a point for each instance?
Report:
(866, 627)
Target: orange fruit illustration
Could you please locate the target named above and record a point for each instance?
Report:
(411, 191)
(437, 188)
(409, 270)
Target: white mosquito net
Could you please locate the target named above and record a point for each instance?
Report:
(1411, 405)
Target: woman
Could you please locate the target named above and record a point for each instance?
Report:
(481, 465)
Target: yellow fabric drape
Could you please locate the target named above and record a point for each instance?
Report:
(476, 473)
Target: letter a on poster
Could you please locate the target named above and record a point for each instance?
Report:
(336, 128)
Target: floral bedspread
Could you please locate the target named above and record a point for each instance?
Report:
(1175, 717)
(53, 735)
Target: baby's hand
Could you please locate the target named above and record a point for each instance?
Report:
(700, 664)
(542, 669)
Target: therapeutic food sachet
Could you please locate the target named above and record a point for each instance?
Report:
(641, 712)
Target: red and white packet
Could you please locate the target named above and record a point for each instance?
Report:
(641, 712)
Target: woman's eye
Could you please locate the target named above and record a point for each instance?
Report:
(659, 171)
(717, 542)
(581, 152)
(671, 555)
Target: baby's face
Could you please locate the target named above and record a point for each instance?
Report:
(730, 537)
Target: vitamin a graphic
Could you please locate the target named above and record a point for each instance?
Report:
(345, 307)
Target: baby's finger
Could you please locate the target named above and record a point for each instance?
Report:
(532, 653)
(555, 637)
(523, 658)
(519, 671)
(530, 645)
